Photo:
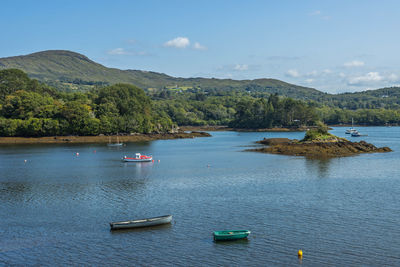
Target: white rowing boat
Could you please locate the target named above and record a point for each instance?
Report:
(141, 222)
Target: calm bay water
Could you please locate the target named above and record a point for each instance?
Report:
(55, 208)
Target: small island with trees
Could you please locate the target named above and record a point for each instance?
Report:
(317, 143)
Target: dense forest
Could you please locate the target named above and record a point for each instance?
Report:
(29, 108)
(32, 108)
(262, 110)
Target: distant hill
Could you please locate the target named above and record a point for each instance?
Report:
(68, 70)
(388, 98)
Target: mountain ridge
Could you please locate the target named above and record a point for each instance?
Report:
(64, 68)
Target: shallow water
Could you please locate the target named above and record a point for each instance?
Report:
(55, 208)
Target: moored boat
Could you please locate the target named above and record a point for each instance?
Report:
(141, 222)
(357, 134)
(117, 144)
(230, 235)
(351, 130)
(138, 158)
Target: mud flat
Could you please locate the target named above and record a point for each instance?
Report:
(99, 139)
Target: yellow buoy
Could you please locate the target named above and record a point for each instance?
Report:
(300, 253)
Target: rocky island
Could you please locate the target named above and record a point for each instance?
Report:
(317, 143)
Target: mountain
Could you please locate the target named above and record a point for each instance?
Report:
(68, 70)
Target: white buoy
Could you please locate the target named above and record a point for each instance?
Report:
(25, 160)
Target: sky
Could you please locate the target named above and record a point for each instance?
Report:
(333, 46)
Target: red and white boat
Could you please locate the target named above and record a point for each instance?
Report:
(138, 158)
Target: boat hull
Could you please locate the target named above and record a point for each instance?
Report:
(115, 145)
(137, 160)
(230, 235)
(141, 222)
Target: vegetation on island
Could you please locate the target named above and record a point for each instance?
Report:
(320, 134)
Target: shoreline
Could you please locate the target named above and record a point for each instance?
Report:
(99, 139)
(226, 128)
(361, 125)
(276, 129)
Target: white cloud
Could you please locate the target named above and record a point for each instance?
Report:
(118, 51)
(393, 77)
(178, 42)
(354, 63)
(318, 13)
(309, 80)
(327, 71)
(198, 46)
(293, 73)
(122, 51)
(281, 58)
(312, 73)
(315, 13)
(132, 41)
(241, 67)
(370, 77)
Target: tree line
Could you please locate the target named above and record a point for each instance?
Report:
(30, 108)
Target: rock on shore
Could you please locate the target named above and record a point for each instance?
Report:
(313, 149)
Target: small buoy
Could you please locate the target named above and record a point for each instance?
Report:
(152, 160)
(300, 253)
(77, 154)
(25, 160)
(94, 151)
(158, 160)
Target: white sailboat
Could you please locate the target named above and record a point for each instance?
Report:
(117, 144)
(351, 130)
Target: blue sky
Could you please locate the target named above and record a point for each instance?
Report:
(333, 46)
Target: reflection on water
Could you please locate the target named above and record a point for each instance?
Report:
(319, 166)
(55, 209)
(239, 242)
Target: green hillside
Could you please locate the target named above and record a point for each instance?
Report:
(388, 98)
(68, 70)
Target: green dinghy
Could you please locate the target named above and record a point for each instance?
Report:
(230, 235)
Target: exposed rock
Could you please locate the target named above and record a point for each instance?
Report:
(339, 148)
(274, 141)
